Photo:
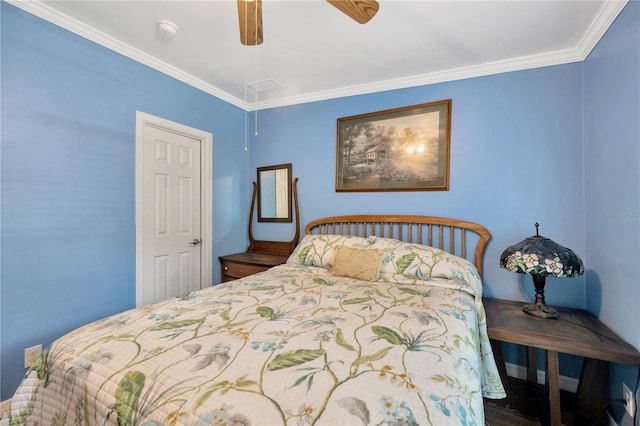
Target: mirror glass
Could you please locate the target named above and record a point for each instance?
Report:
(274, 193)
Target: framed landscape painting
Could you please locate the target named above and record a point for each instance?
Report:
(401, 149)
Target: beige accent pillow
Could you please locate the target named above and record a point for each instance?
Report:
(357, 263)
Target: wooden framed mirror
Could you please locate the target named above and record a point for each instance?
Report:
(282, 248)
(274, 193)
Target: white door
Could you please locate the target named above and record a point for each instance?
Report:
(171, 230)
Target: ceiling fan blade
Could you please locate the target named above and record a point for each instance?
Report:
(360, 11)
(250, 20)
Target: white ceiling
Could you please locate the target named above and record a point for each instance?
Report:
(314, 52)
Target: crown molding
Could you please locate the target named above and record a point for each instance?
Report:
(49, 14)
(491, 68)
(608, 13)
(602, 22)
(605, 17)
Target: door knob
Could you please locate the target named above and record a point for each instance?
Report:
(195, 242)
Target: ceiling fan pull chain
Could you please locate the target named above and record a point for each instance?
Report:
(246, 88)
(255, 124)
(246, 146)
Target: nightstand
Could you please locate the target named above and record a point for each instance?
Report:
(576, 332)
(240, 265)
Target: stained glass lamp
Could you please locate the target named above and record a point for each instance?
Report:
(541, 257)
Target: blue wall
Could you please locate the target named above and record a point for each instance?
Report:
(521, 152)
(516, 159)
(612, 182)
(612, 174)
(68, 195)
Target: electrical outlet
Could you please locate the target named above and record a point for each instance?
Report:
(630, 402)
(31, 355)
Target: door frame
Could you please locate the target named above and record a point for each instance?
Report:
(206, 193)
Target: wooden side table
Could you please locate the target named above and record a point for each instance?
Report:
(240, 265)
(576, 332)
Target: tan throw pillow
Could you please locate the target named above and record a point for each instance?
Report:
(357, 263)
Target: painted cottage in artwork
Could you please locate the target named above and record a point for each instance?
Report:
(375, 154)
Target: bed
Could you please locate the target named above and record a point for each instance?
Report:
(372, 320)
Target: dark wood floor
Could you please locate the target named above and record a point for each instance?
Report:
(496, 415)
(526, 407)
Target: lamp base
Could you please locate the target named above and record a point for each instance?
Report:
(540, 310)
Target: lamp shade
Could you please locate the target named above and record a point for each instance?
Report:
(541, 257)
(538, 255)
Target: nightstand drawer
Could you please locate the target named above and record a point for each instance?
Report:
(232, 271)
(240, 265)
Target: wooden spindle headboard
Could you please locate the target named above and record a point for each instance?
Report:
(459, 237)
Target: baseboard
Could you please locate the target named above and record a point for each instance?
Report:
(611, 421)
(569, 384)
(4, 406)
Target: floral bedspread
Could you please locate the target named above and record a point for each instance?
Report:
(293, 345)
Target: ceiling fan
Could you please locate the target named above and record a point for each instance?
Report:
(250, 16)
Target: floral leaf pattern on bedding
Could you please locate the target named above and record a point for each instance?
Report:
(291, 359)
(404, 262)
(388, 335)
(401, 260)
(293, 345)
(356, 407)
(127, 396)
(319, 250)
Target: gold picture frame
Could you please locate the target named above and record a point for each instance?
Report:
(401, 149)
